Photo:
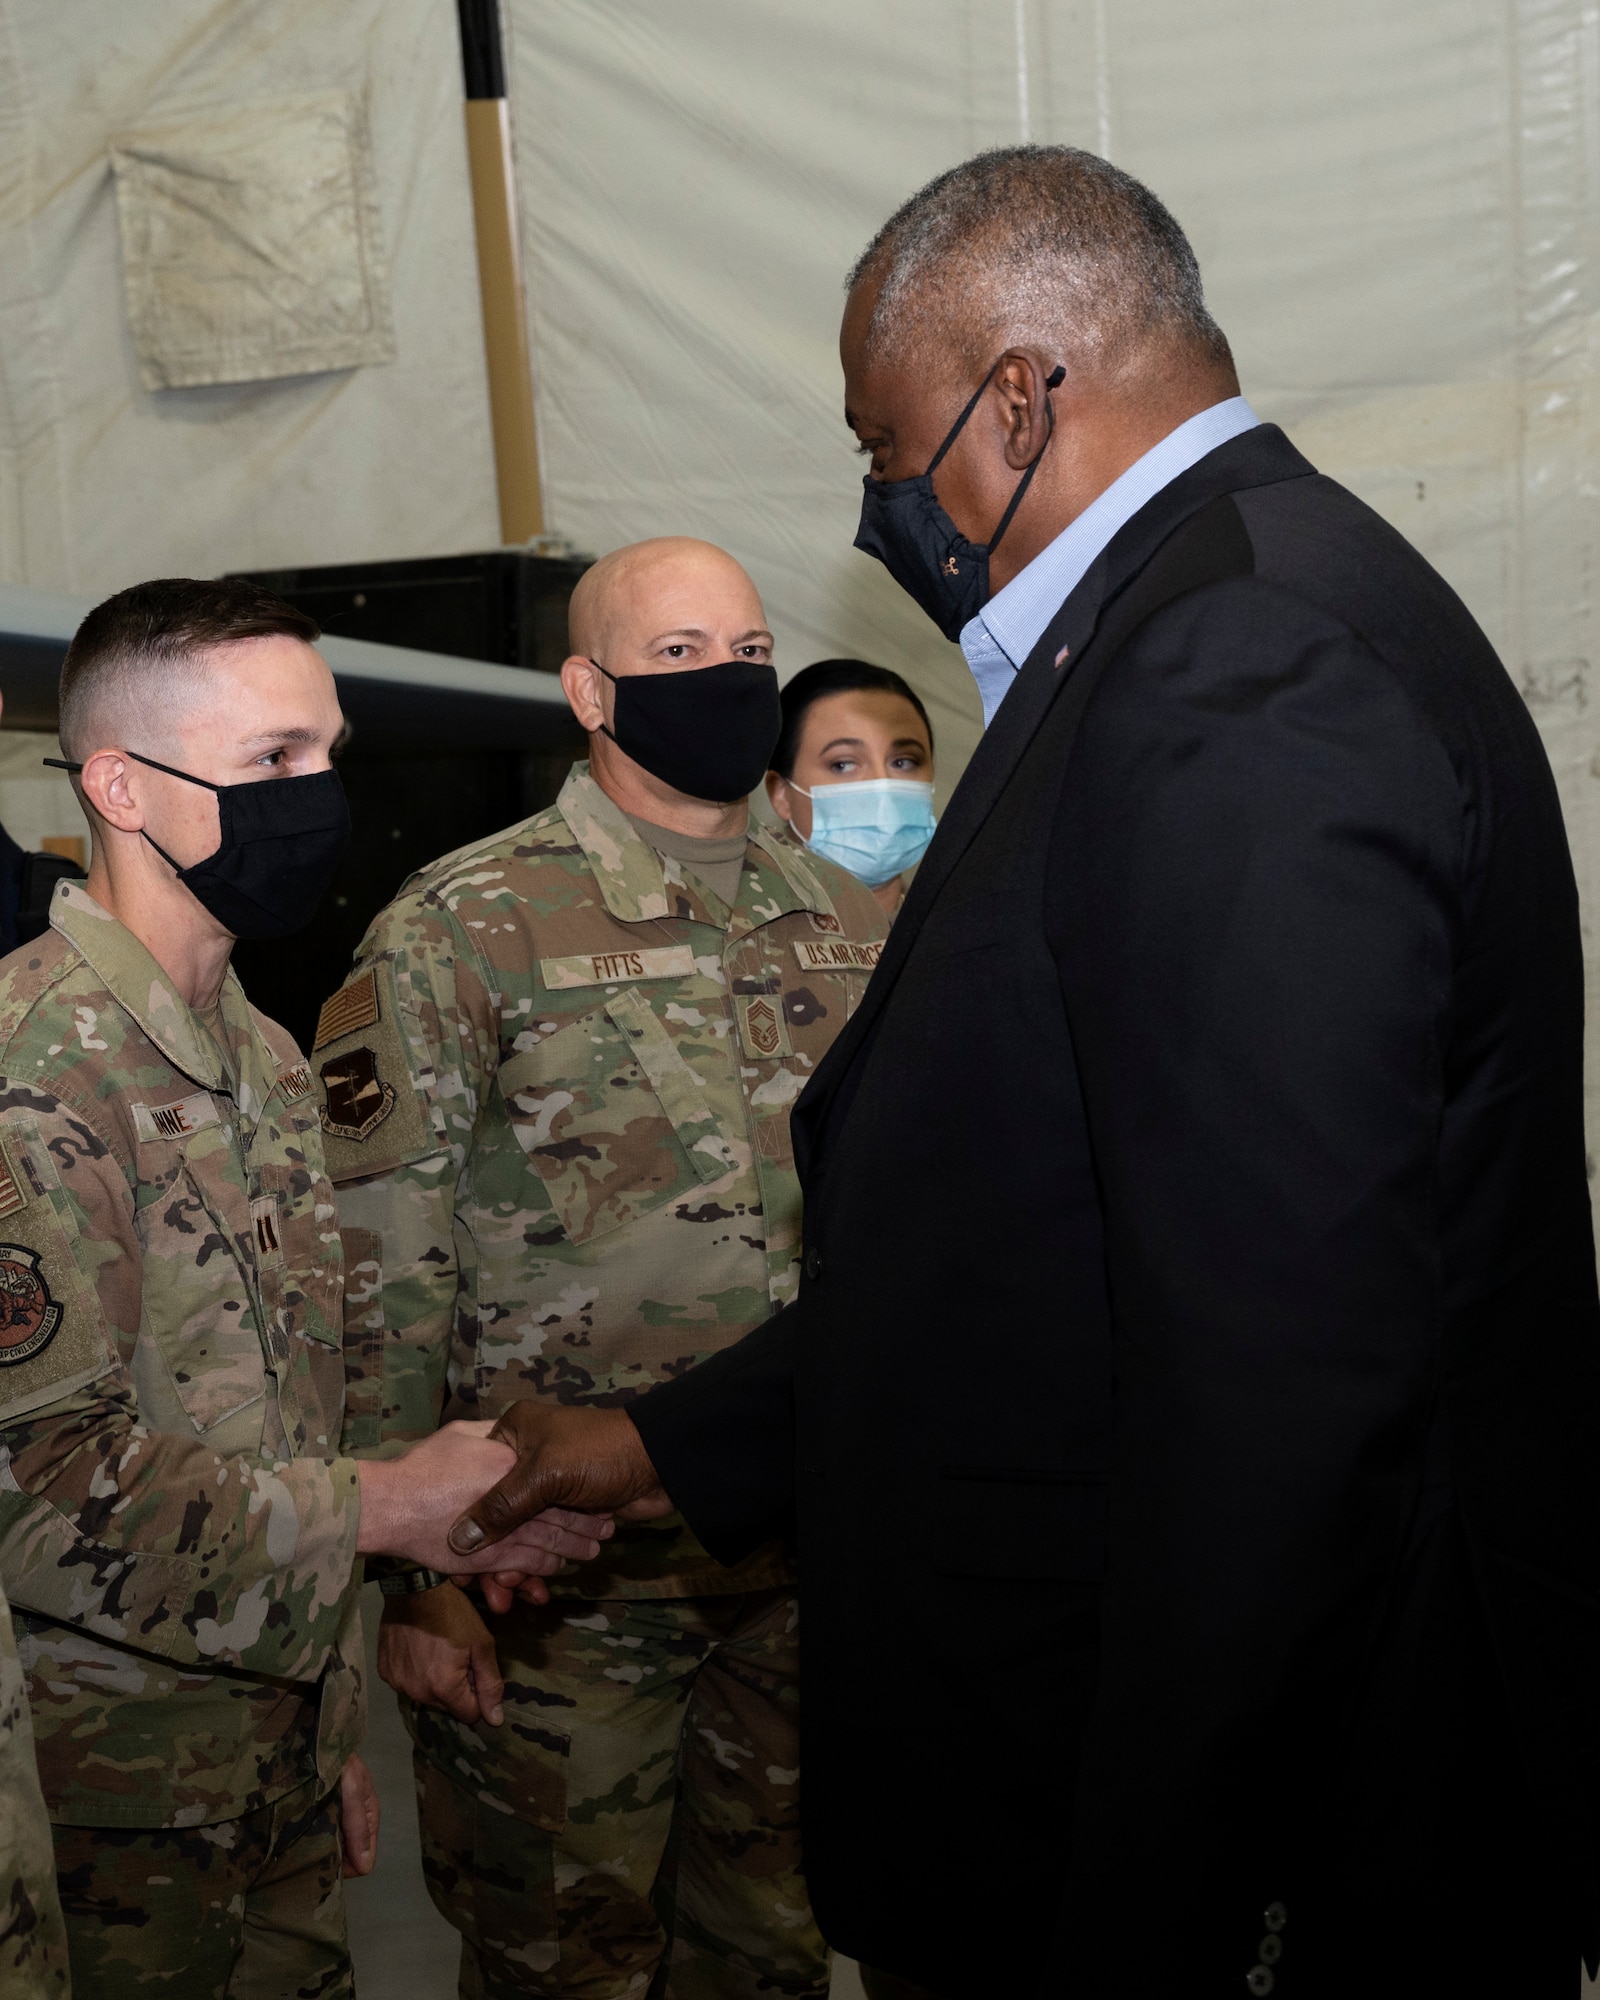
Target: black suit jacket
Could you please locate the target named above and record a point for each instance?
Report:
(1197, 1243)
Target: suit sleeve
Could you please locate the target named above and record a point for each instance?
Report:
(1254, 888)
(722, 1440)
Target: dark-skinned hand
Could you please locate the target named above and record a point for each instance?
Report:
(567, 1456)
(434, 1648)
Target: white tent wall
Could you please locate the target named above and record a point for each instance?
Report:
(1395, 209)
(103, 481)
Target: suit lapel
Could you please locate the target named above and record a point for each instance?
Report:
(1257, 458)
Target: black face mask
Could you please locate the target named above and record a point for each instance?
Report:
(708, 732)
(903, 525)
(282, 839)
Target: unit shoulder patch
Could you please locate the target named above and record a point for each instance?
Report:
(838, 956)
(353, 1007)
(615, 968)
(357, 1100)
(29, 1316)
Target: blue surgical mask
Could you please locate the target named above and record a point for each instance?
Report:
(875, 827)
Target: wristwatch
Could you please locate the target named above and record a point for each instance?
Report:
(410, 1580)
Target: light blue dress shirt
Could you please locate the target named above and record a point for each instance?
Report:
(1010, 625)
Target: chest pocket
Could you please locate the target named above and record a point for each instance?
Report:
(613, 1119)
(198, 1308)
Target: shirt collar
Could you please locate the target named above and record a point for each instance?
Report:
(633, 881)
(140, 986)
(998, 641)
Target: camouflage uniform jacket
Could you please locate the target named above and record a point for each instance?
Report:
(556, 1093)
(177, 1536)
(33, 1938)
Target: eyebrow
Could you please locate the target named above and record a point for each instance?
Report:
(696, 632)
(860, 743)
(295, 735)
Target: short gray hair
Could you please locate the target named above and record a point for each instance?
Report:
(1046, 245)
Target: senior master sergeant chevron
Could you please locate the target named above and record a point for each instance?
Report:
(557, 1092)
(178, 1534)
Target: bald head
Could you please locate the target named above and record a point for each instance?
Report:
(664, 607)
(1034, 246)
(651, 590)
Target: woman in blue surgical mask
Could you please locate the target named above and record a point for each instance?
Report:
(852, 775)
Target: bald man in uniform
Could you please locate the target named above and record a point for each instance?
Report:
(557, 1091)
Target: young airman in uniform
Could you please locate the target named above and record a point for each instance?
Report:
(179, 1535)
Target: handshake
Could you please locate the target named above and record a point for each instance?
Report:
(525, 1494)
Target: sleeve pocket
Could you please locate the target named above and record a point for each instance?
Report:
(1046, 1527)
(363, 1337)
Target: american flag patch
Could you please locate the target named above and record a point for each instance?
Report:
(11, 1196)
(352, 1007)
(1061, 657)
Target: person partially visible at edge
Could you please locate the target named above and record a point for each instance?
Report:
(180, 1536)
(33, 1938)
(852, 775)
(27, 882)
(1197, 1362)
(557, 1091)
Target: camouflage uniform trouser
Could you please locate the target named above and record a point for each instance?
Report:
(653, 1846)
(245, 1909)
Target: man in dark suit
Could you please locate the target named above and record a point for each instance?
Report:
(1188, 1420)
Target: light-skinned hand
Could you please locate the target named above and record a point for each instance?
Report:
(408, 1504)
(359, 1815)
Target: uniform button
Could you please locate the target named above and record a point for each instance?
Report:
(1275, 1916)
(1270, 1949)
(1259, 1980)
(813, 1264)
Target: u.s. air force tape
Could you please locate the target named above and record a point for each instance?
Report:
(837, 955)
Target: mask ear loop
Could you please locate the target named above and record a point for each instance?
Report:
(1053, 380)
(188, 777)
(960, 423)
(605, 727)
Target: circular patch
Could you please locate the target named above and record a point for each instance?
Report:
(28, 1315)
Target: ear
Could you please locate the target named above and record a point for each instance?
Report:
(108, 783)
(1024, 378)
(778, 794)
(582, 683)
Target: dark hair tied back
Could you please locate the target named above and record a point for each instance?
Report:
(825, 677)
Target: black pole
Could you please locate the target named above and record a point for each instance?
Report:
(483, 59)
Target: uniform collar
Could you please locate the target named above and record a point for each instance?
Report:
(140, 987)
(634, 884)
